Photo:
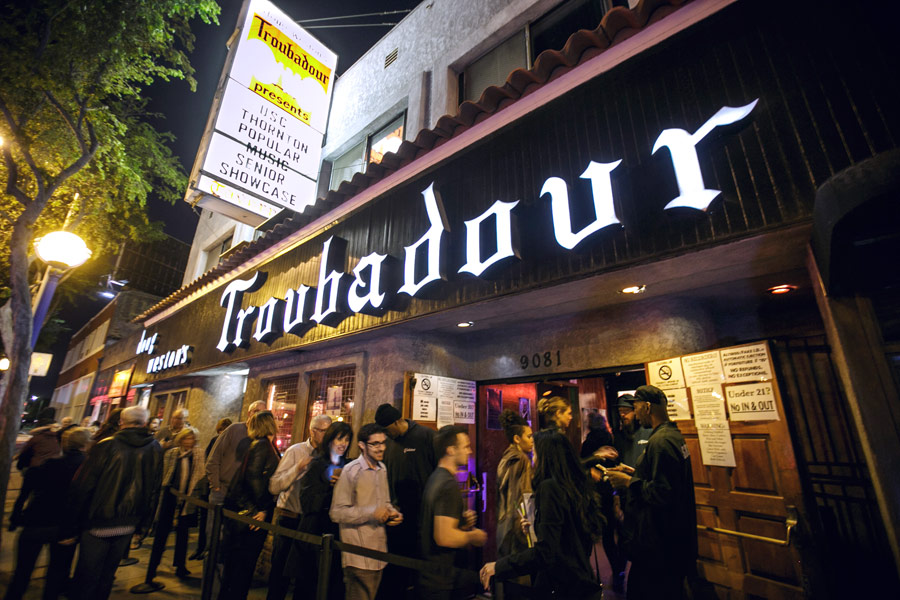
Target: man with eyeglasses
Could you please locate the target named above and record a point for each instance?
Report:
(285, 483)
(362, 508)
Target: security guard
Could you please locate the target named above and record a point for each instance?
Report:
(660, 514)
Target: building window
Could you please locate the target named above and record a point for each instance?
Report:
(370, 150)
(386, 140)
(552, 31)
(348, 164)
(281, 399)
(331, 392)
(494, 67)
(214, 253)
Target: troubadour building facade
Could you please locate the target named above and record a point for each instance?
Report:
(697, 195)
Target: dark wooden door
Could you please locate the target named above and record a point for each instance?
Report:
(755, 497)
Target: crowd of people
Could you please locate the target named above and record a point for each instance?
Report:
(103, 491)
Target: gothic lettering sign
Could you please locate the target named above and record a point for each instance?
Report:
(491, 240)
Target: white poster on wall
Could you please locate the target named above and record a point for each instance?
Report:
(752, 402)
(445, 400)
(425, 398)
(679, 409)
(702, 368)
(666, 374)
(746, 363)
(709, 404)
(716, 448)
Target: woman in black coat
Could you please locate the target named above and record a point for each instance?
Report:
(567, 523)
(316, 491)
(249, 495)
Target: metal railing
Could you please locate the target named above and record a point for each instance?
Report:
(325, 543)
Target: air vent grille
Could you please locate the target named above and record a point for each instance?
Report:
(390, 58)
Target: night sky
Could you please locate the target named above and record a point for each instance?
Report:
(184, 114)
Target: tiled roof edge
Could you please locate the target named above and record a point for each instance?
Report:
(617, 25)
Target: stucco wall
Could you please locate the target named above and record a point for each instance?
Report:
(439, 37)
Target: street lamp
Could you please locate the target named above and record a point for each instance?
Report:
(61, 251)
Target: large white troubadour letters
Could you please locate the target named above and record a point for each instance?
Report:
(683, 148)
(295, 310)
(331, 282)
(376, 278)
(234, 328)
(604, 211)
(432, 241)
(373, 296)
(506, 236)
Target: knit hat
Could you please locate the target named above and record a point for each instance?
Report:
(651, 394)
(387, 415)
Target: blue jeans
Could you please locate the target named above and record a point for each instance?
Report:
(98, 560)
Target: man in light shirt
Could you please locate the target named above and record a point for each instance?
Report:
(285, 483)
(361, 506)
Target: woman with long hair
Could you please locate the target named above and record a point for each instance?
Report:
(513, 482)
(316, 491)
(183, 467)
(249, 495)
(555, 412)
(567, 522)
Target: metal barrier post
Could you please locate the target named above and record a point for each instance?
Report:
(498, 590)
(212, 556)
(324, 567)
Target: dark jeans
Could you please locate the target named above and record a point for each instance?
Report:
(167, 508)
(240, 552)
(98, 560)
(615, 553)
(396, 581)
(648, 580)
(281, 547)
(30, 543)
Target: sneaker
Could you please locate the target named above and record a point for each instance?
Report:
(619, 583)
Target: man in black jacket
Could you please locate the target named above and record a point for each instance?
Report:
(660, 513)
(113, 497)
(410, 460)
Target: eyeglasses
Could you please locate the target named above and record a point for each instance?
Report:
(376, 444)
(320, 430)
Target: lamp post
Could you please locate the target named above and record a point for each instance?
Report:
(61, 251)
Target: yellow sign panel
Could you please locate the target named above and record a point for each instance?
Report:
(288, 53)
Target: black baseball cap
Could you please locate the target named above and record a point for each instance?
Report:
(626, 401)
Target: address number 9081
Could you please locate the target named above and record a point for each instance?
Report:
(537, 360)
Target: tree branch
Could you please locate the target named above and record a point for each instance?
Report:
(23, 148)
(86, 156)
(67, 118)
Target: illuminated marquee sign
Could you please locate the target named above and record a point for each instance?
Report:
(265, 145)
(377, 279)
(173, 358)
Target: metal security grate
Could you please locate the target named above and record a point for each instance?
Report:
(281, 399)
(843, 509)
(331, 392)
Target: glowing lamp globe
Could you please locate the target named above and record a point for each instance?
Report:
(62, 249)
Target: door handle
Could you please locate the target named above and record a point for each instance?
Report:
(790, 522)
(484, 491)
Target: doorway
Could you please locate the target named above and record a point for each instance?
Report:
(588, 394)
